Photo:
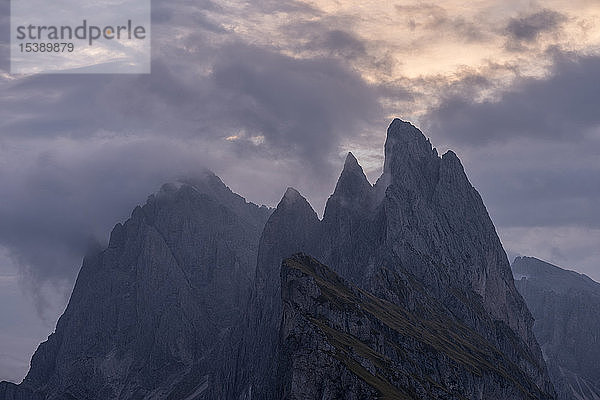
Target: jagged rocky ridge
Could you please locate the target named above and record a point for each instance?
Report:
(420, 240)
(566, 308)
(148, 311)
(340, 342)
(425, 224)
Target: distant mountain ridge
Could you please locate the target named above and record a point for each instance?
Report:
(198, 296)
(566, 308)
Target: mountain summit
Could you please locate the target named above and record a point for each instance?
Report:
(402, 290)
(566, 307)
(148, 311)
(421, 240)
(352, 190)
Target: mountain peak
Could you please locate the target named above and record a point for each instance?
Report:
(552, 276)
(410, 159)
(353, 189)
(450, 155)
(293, 202)
(404, 135)
(351, 162)
(204, 181)
(353, 169)
(565, 306)
(403, 129)
(291, 195)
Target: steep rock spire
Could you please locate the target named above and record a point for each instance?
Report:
(293, 227)
(410, 160)
(352, 191)
(290, 229)
(346, 221)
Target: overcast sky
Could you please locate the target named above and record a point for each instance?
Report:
(272, 93)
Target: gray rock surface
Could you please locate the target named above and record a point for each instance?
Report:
(148, 312)
(340, 342)
(252, 351)
(10, 391)
(186, 301)
(422, 222)
(566, 308)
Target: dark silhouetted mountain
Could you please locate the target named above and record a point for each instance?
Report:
(566, 308)
(258, 343)
(10, 391)
(146, 312)
(190, 300)
(420, 238)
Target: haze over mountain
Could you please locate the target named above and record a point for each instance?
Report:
(148, 310)
(270, 94)
(403, 290)
(566, 308)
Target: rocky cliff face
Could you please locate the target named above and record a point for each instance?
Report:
(566, 308)
(340, 342)
(10, 391)
(432, 212)
(417, 301)
(252, 372)
(423, 228)
(148, 311)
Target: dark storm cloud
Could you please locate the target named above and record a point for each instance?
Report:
(291, 102)
(435, 19)
(339, 42)
(301, 107)
(535, 152)
(58, 105)
(62, 195)
(529, 27)
(333, 37)
(175, 98)
(561, 107)
(78, 152)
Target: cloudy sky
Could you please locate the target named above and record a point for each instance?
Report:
(272, 93)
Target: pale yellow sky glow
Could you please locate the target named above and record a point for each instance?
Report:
(480, 49)
(419, 40)
(424, 48)
(430, 38)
